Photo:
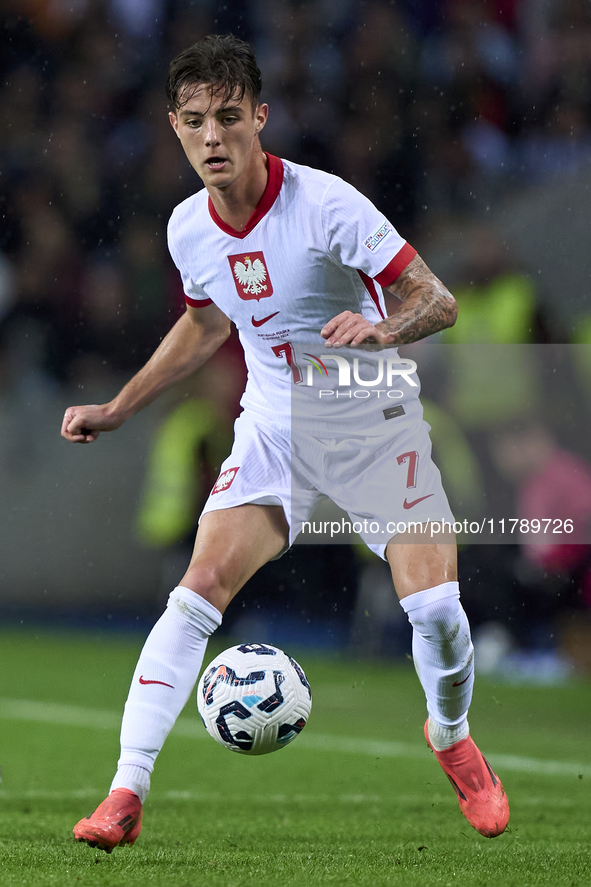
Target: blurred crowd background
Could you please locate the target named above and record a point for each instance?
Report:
(456, 118)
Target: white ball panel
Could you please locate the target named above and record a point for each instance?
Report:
(253, 699)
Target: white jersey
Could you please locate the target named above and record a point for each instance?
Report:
(314, 247)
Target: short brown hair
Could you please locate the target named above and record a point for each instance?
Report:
(224, 61)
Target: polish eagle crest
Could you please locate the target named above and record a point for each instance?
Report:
(251, 275)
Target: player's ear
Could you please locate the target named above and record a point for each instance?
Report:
(260, 115)
(174, 121)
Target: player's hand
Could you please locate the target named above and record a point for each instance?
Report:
(351, 329)
(84, 424)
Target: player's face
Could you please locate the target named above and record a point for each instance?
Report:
(220, 139)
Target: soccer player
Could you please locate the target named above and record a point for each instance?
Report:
(292, 256)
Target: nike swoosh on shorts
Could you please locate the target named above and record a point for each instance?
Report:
(406, 504)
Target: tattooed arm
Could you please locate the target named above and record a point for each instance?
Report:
(427, 307)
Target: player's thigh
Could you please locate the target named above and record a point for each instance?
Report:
(418, 565)
(231, 545)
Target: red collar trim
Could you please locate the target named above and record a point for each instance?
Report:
(270, 194)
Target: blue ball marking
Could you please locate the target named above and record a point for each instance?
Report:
(250, 701)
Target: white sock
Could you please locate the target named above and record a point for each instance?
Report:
(442, 737)
(443, 656)
(164, 677)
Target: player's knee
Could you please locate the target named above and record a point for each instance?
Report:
(208, 581)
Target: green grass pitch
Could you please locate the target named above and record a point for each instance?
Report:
(357, 799)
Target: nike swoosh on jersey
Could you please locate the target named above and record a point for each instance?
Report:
(256, 322)
(144, 681)
(414, 502)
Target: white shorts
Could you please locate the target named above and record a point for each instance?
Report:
(384, 483)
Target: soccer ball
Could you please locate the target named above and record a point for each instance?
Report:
(254, 699)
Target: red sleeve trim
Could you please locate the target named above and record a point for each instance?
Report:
(394, 268)
(198, 303)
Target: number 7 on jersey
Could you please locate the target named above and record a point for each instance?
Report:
(286, 349)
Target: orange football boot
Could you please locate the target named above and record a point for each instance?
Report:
(117, 821)
(481, 796)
